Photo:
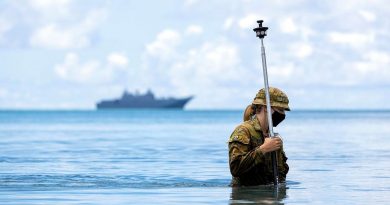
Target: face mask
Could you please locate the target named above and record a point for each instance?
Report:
(277, 118)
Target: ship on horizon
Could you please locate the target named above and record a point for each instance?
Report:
(147, 100)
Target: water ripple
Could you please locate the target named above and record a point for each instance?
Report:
(71, 181)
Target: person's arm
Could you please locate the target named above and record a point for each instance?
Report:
(282, 165)
(241, 158)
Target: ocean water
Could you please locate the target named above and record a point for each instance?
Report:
(180, 157)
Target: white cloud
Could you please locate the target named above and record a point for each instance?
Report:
(93, 19)
(203, 68)
(378, 56)
(211, 62)
(73, 69)
(283, 72)
(190, 3)
(49, 7)
(287, 25)
(324, 50)
(373, 63)
(53, 36)
(49, 4)
(371, 69)
(352, 39)
(117, 59)
(249, 21)
(194, 29)
(306, 32)
(3, 93)
(91, 71)
(228, 23)
(57, 36)
(60, 24)
(301, 49)
(164, 45)
(368, 16)
(212, 71)
(4, 27)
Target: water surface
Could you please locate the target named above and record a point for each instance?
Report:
(177, 157)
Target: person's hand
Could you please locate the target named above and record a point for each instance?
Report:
(271, 144)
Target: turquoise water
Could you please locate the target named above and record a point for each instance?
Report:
(177, 157)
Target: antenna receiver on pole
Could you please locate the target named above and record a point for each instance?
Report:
(261, 31)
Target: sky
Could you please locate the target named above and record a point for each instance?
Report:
(68, 54)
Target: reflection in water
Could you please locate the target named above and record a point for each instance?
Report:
(258, 195)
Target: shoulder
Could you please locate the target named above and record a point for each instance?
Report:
(240, 134)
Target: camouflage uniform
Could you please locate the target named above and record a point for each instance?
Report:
(248, 165)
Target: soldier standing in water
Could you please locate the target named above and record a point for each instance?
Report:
(250, 146)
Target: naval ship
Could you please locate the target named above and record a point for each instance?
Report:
(147, 100)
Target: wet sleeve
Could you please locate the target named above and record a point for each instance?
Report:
(241, 157)
(282, 165)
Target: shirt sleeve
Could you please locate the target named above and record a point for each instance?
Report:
(282, 165)
(241, 157)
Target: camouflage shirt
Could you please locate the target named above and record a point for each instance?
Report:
(248, 165)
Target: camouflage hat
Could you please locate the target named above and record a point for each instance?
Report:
(278, 98)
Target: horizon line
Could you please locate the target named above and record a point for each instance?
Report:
(191, 109)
